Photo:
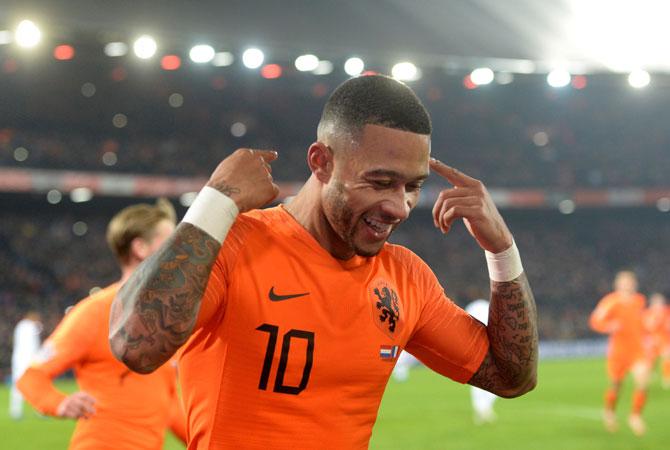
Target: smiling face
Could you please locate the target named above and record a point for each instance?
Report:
(374, 185)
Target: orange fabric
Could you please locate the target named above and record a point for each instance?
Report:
(131, 409)
(611, 397)
(666, 369)
(307, 371)
(639, 400)
(656, 324)
(622, 318)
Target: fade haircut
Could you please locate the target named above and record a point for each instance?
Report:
(373, 100)
(136, 221)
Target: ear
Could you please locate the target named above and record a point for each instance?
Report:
(139, 249)
(320, 161)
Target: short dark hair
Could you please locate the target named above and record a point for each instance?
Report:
(375, 100)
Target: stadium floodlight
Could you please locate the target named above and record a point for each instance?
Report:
(5, 37)
(558, 78)
(223, 59)
(405, 71)
(253, 58)
(354, 66)
(116, 49)
(663, 204)
(325, 67)
(27, 34)
(201, 53)
(145, 47)
(639, 79)
(81, 195)
(566, 206)
(482, 76)
(306, 63)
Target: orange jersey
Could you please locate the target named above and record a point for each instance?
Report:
(132, 410)
(657, 323)
(293, 348)
(622, 318)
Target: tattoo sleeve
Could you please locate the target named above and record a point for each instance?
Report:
(156, 309)
(510, 367)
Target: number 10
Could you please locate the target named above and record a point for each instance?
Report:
(280, 387)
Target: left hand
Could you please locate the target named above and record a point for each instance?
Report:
(470, 200)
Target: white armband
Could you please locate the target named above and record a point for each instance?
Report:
(213, 212)
(504, 266)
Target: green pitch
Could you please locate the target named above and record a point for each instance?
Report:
(428, 412)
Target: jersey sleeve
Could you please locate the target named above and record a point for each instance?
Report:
(446, 338)
(68, 344)
(214, 299)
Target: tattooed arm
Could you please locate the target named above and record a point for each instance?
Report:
(510, 367)
(155, 311)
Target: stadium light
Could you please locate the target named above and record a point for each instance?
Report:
(306, 63)
(116, 49)
(27, 34)
(354, 66)
(223, 59)
(145, 47)
(639, 79)
(405, 71)
(5, 37)
(324, 68)
(558, 78)
(64, 52)
(253, 58)
(81, 195)
(566, 206)
(201, 54)
(271, 71)
(663, 204)
(482, 76)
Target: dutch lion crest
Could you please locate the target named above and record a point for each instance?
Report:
(386, 308)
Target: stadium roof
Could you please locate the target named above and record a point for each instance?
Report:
(557, 31)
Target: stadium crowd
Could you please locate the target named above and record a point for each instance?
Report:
(570, 259)
(511, 137)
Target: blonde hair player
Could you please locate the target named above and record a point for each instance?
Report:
(114, 408)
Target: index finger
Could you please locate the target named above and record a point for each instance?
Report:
(453, 176)
(267, 155)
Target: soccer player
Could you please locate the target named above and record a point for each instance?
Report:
(657, 323)
(26, 344)
(293, 316)
(620, 314)
(115, 408)
(482, 401)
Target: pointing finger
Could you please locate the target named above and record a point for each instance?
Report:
(453, 176)
(267, 155)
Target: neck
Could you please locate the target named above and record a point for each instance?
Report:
(127, 270)
(307, 209)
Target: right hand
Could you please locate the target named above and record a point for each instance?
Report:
(77, 405)
(246, 177)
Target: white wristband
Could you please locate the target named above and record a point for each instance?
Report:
(504, 266)
(213, 212)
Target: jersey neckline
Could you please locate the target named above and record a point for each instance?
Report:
(296, 230)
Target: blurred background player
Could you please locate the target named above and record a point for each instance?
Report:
(482, 401)
(26, 345)
(123, 410)
(620, 314)
(657, 323)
